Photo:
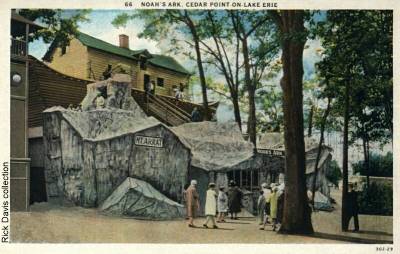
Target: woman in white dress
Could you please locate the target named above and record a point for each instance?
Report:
(222, 204)
(211, 206)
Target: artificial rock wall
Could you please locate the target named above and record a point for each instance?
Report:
(89, 153)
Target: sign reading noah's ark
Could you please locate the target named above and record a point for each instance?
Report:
(149, 141)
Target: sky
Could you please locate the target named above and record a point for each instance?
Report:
(100, 27)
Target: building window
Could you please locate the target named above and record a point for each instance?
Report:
(160, 82)
(143, 63)
(245, 179)
(63, 50)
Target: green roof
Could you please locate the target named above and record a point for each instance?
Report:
(168, 63)
(157, 60)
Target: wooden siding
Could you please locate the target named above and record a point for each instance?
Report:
(171, 78)
(73, 62)
(48, 88)
(99, 60)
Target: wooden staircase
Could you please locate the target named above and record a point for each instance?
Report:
(161, 108)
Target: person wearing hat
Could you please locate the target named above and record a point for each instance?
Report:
(211, 206)
(222, 204)
(192, 202)
(262, 201)
(234, 200)
(352, 208)
(273, 202)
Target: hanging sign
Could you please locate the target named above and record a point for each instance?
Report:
(149, 141)
(271, 152)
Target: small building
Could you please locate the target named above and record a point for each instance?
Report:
(21, 28)
(220, 153)
(89, 153)
(87, 57)
(273, 144)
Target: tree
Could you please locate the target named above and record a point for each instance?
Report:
(60, 25)
(245, 25)
(297, 214)
(272, 117)
(160, 22)
(218, 29)
(358, 58)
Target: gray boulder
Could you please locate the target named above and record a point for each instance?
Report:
(137, 198)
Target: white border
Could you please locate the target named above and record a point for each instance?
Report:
(5, 7)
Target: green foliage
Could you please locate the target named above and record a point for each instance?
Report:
(59, 24)
(333, 173)
(379, 165)
(376, 200)
(358, 51)
(271, 119)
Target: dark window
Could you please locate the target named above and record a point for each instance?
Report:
(146, 79)
(143, 64)
(160, 82)
(63, 50)
(255, 178)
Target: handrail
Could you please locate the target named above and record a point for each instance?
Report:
(174, 106)
(18, 47)
(166, 109)
(167, 106)
(168, 99)
(156, 109)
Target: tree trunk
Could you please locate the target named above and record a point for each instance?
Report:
(345, 157)
(310, 120)
(251, 122)
(366, 157)
(203, 83)
(321, 141)
(297, 213)
(236, 109)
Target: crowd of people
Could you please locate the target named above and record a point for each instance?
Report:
(220, 204)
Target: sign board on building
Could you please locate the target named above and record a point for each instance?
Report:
(149, 141)
(271, 152)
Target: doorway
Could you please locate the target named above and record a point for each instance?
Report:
(146, 79)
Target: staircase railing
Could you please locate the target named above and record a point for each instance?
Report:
(183, 112)
(164, 111)
(168, 107)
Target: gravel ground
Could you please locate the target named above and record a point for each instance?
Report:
(54, 224)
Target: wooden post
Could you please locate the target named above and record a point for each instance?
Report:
(251, 180)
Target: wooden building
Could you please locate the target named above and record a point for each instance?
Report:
(87, 57)
(19, 80)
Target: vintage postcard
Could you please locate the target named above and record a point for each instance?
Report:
(199, 126)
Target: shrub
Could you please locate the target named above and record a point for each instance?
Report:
(379, 165)
(333, 173)
(376, 200)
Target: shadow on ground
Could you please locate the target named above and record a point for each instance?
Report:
(350, 238)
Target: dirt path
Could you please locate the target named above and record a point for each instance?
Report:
(55, 224)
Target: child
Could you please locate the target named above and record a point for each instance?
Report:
(211, 205)
(222, 204)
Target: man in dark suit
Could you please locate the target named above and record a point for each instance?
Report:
(352, 208)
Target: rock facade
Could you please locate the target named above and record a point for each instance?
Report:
(89, 153)
(138, 199)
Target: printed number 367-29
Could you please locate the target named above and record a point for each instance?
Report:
(384, 248)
